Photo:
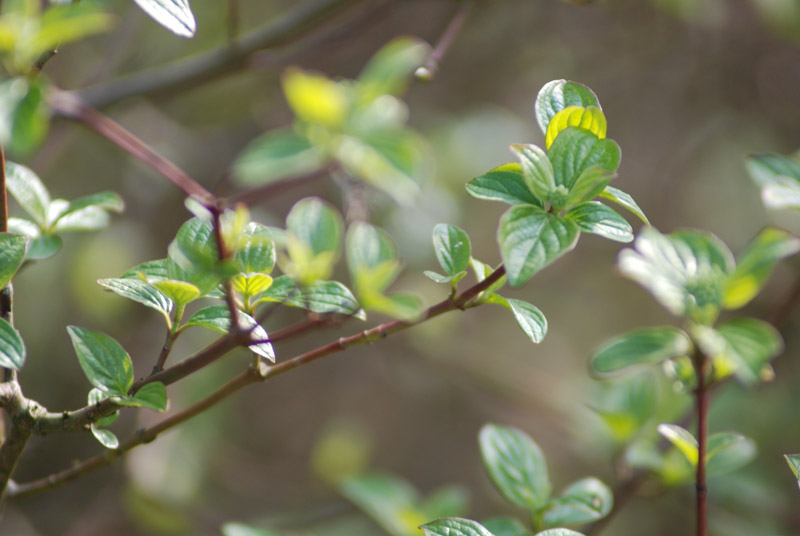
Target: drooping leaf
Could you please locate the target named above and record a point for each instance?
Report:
(685, 271)
(12, 347)
(29, 191)
(531, 238)
(391, 68)
(557, 95)
(590, 118)
(755, 264)
(452, 248)
(106, 364)
(624, 200)
(504, 183)
(596, 218)
(12, 253)
(276, 155)
(576, 150)
(537, 171)
(516, 465)
(455, 526)
(139, 291)
(682, 439)
(644, 346)
(529, 318)
(174, 15)
(584, 501)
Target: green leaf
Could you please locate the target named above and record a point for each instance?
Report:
(24, 114)
(152, 395)
(590, 119)
(12, 253)
(255, 250)
(455, 526)
(217, 317)
(317, 224)
(316, 99)
(558, 532)
(282, 289)
(794, 464)
(156, 269)
(278, 154)
(368, 247)
(596, 218)
(106, 364)
(326, 297)
(105, 437)
(180, 292)
(439, 278)
(390, 69)
(748, 346)
(537, 171)
(557, 95)
(12, 348)
(194, 247)
(531, 238)
(505, 526)
(584, 501)
(96, 396)
(727, 451)
(389, 500)
(85, 219)
(174, 15)
(40, 246)
(576, 150)
(685, 271)
(779, 179)
(644, 346)
(516, 465)
(403, 305)
(624, 200)
(29, 191)
(139, 291)
(103, 200)
(588, 185)
(529, 318)
(452, 247)
(755, 264)
(205, 278)
(62, 24)
(504, 183)
(682, 439)
(240, 529)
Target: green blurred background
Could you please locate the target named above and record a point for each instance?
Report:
(689, 88)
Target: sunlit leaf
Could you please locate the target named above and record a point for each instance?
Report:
(625, 200)
(645, 346)
(682, 439)
(576, 150)
(596, 218)
(452, 248)
(12, 253)
(105, 437)
(217, 318)
(24, 115)
(584, 501)
(139, 291)
(779, 179)
(529, 318)
(152, 395)
(315, 98)
(590, 119)
(505, 526)
(12, 347)
(537, 171)
(504, 183)
(106, 364)
(557, 95)
(174, 15)
(317, 224)
(455, 526)
(29, 191)
(278, 154)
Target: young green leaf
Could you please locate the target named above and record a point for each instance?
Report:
(12, 348)
(102, 200)
(589, 185)
(504, 183)
(531, 238)
(576, 150)
(727, 452)
(590, 119)
(596, 218)
(179, 292)
(537, 171)
(749, 345)
(390, 69)
(682, 439)
(106, 364)
(152, 395)
(624, 200)
(529, 318)
(644, 346)
(194, 247)
(557, 95)
(326, 297)
(390, 501)
(516, 465)
(439, 278)
(250, 284)
(584, 501)
(217, 317)
(276, 155)
(779, 179)
(452, 248)
(105, 437)
(24, 114)
(96, 396)
(755, 264)
(155, 269)
(315, 98)
(12, 253)
(139, 291)
(455, 526)
(368, 246)
(29, 191)
(255, 250)
(205, 278)
(317, 224)
(794, 464)
(505, 526)
(174, 15)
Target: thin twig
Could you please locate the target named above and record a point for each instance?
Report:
(262, 193)
(701, 408)
(451, 31)
(192, 71)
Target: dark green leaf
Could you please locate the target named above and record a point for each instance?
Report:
(29, 191)
(152, 395)
(139, 291)
(755, 264)
(584, 501)
(452, 247)
(504, 183)
(174, 15)
(12, 253)
(596, 218)
(317, 224)
(390, 69)
(589, 185)
(12, 348)
(557, 95)
(537, 171)
(325, 297)
(106, 364)
(276, 155)
(644, 346)
(531, 238)
(505, 526)
(529, 318)
(455, 526)
(624, 200)
(24, 114)
(217, 317)
(575, 150)
(516, 465)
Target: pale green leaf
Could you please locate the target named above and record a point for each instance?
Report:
(390, 69)
(727, 451)
(624, 200)
(179, 292)
(29, 191)
(505, 526)
(588, 118)
(24, 114)
(529, 318)
(278, 154)
(139, 291)
(390, 501)
(645, 346)
(537, 171)
(504, 183)
(174, 15)
(317, 224)
(779, 179)
(682, 439)
(749, 345)
(455, 526)
(452, 248)
(12, 253)
(588, 185)
(584, 501)
(240, 529)
(794, 464)
(105, 437)
(596, 218)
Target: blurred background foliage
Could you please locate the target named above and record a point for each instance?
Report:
(689, 88)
